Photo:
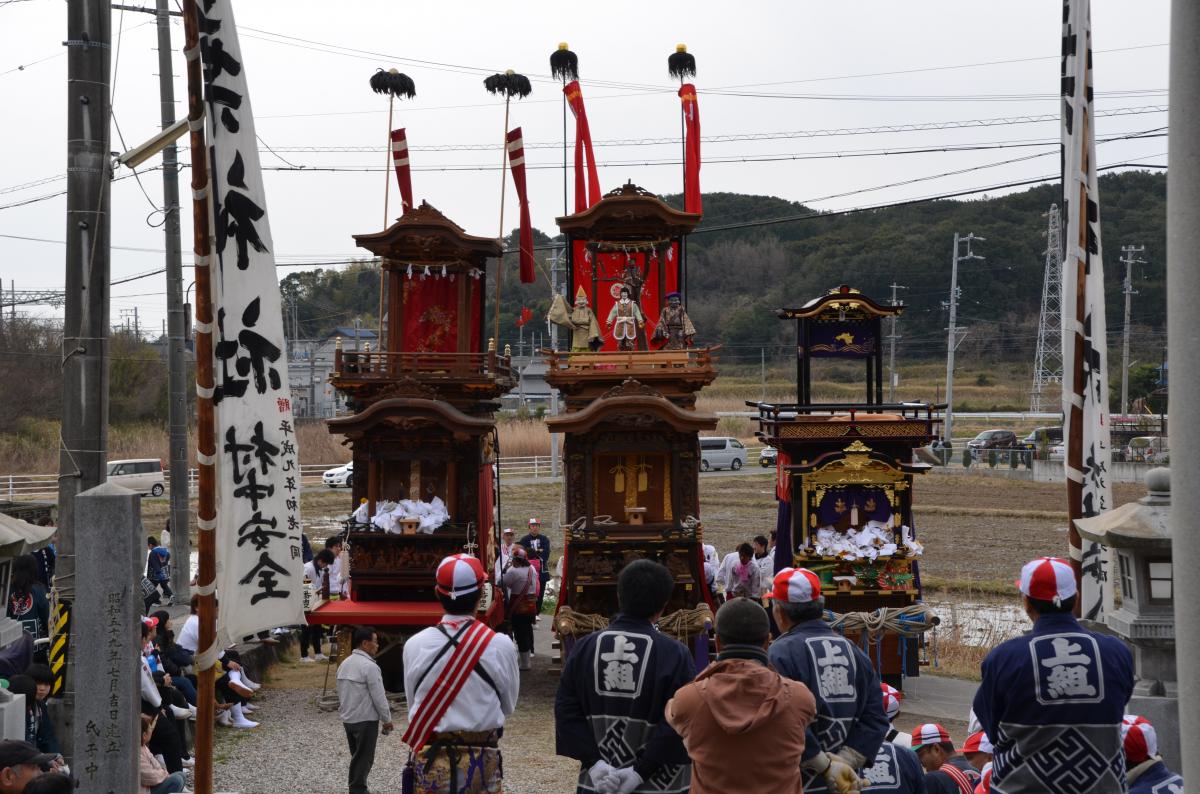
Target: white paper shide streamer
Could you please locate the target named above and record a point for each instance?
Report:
(1083, 303)
(259, 567)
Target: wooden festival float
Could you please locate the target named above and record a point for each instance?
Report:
(845, 484)
(422, 433)
(631, 430)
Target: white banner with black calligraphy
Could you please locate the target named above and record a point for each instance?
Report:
(259, 566)
(1085, 355)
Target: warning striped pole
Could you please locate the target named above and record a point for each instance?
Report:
(60, 641)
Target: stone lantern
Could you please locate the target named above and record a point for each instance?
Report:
(1142, 606)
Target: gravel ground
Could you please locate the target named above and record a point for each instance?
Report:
(299, 745)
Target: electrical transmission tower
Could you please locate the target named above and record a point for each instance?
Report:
(1048, 360)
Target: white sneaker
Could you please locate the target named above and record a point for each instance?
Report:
(246, 680)
(248, 709)
(320, 657)
(223, 719)
(192, 713)
(181, 713)
(188, 763)
(526, 663)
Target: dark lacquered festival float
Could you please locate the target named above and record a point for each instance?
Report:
(844, 485)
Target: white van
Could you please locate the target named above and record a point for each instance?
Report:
(722, 453)
(144, 475)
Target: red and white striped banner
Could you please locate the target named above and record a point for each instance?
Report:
(403, 173)
(516, 163)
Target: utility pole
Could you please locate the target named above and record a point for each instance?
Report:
(892, 337)
(81, 464)
(954, 339)
(177, 397)
(1130, 259)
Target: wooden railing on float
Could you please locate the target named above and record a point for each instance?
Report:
(691, 358)
(372, 365)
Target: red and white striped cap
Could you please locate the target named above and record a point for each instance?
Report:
(1139, 739)
(1048, 579)
(928, 733)
(977, 743)
(459, 575)
(891, 700)
(795, 586)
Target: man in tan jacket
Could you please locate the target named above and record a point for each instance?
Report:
(740, 708)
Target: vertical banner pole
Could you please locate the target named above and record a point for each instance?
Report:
(500, 263)
(387, 191)
(206, 514)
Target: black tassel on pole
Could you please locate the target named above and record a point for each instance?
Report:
(509, 84)
(393, 83)
(564, 64)
(681, 63)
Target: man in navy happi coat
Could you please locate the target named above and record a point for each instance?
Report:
(1145, 771)
(850, 724)
(608, 713)
(1051, 701)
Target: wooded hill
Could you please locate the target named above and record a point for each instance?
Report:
(738, 277)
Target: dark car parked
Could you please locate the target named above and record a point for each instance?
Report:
(1048, 435)
(994, 439)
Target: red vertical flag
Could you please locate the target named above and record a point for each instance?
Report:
(403, 175)
(516, 162)
(691, 148)
(584, 197)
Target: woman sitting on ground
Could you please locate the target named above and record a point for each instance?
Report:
(154, 776)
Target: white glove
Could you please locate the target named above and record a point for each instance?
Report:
(839, 775)
(598, 775)
(853, 757)
(626, 780)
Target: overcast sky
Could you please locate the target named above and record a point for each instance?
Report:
(785, 67)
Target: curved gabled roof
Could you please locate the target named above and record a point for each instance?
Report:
(441, 413)
(836, 301)
(629, 213)
(617, 408)
(424, 235)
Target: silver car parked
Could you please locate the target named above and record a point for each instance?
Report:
(721, 453)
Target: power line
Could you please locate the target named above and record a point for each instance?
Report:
(751, 136)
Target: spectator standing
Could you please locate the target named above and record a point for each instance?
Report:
(312, 635)
(946, 771)
(739, 708)
(338, 583)
(362, 706)
(504, 553)
(46, 557)
(20, 762)
(520, 605)
(1145, 771)
(158, 568)
(538, 546)
(1059, 685)
(608, 713)
(850, 721)
(45, 738)
(28, 602)
(764, 559)
(739, 574)
(461, 682)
